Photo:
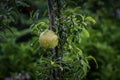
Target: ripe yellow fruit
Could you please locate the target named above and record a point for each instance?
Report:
(48, 39)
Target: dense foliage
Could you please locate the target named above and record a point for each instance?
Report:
(82, 45)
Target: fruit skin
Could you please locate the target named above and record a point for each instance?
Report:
(48, 39)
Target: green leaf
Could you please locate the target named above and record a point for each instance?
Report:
(84, 68)
(85, 33)
(52, 63)
(67, 58)
(91, 57)
(82, 17)
(42, 23)
(80, 51)
(89, 18)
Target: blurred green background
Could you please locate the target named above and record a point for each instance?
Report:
(18, 57)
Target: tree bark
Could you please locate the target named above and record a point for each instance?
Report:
(51, 14)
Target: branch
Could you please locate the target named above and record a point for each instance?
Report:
(51, 27)
(51, 15)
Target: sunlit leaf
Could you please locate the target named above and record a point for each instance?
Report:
(89, 18)
(84, 33)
